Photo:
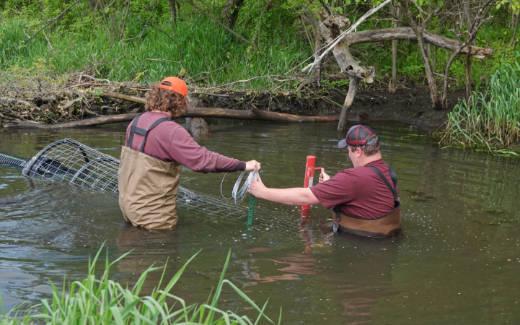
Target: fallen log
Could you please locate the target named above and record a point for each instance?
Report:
(205, 112)
(253, 114)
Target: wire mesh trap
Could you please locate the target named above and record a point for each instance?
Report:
(70, 161)
(6, 160)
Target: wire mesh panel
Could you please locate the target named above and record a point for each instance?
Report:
(70, 161)
(207, 204)
(6, 160)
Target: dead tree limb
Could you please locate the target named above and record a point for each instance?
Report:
(337, 31)
(329, 29)
(338, 38)
(407, 33)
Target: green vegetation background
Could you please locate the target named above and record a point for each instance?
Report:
(142, 44)
(138, 41)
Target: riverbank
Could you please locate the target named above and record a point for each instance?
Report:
(50, 100)
(254, 62)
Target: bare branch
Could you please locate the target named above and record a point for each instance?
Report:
(340, 37)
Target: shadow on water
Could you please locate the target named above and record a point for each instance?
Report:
(457, 261)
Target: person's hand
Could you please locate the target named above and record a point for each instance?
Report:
(252, 165)
(323, 176)
(257, 186)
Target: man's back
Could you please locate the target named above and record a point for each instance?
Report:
(358, 192)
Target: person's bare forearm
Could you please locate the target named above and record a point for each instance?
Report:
(290, 196)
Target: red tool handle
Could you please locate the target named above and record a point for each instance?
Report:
(310, 169)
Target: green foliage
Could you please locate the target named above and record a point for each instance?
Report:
(100, 300)
(491, 119)
(142, 44)
(513, 5)
(136, 40)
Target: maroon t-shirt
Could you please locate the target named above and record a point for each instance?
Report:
(358, 192)
(171, 142)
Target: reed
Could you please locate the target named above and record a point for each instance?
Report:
(491, 118)
(100, 300)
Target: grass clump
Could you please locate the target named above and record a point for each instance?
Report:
(490, 119)
(100, 300)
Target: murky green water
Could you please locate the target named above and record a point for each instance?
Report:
(458, 261)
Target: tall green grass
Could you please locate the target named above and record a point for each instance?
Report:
(100, 300)
(491, 118)
(196, 47)
(143, 45)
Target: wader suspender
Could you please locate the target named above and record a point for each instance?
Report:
(392, 188)
(335, 223)
(142, 132)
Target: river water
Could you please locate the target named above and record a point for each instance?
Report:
(457, 262)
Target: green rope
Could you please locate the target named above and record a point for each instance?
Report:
(251, 205)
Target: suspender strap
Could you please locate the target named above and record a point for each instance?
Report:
(390, 187)
(142, 131)
(154, 124)
(133, 126)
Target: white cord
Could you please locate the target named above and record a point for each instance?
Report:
(221, 184)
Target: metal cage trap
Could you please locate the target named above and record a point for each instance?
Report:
(70, 161)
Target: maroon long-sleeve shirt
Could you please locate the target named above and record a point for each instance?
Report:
(171, 142)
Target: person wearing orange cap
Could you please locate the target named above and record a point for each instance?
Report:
(364, 198)
(155, 148)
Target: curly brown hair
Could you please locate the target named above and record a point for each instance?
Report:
(166, 101)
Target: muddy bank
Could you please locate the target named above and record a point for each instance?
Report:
(79, 96)
(410, 106)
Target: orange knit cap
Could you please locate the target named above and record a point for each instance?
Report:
(174, 84)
